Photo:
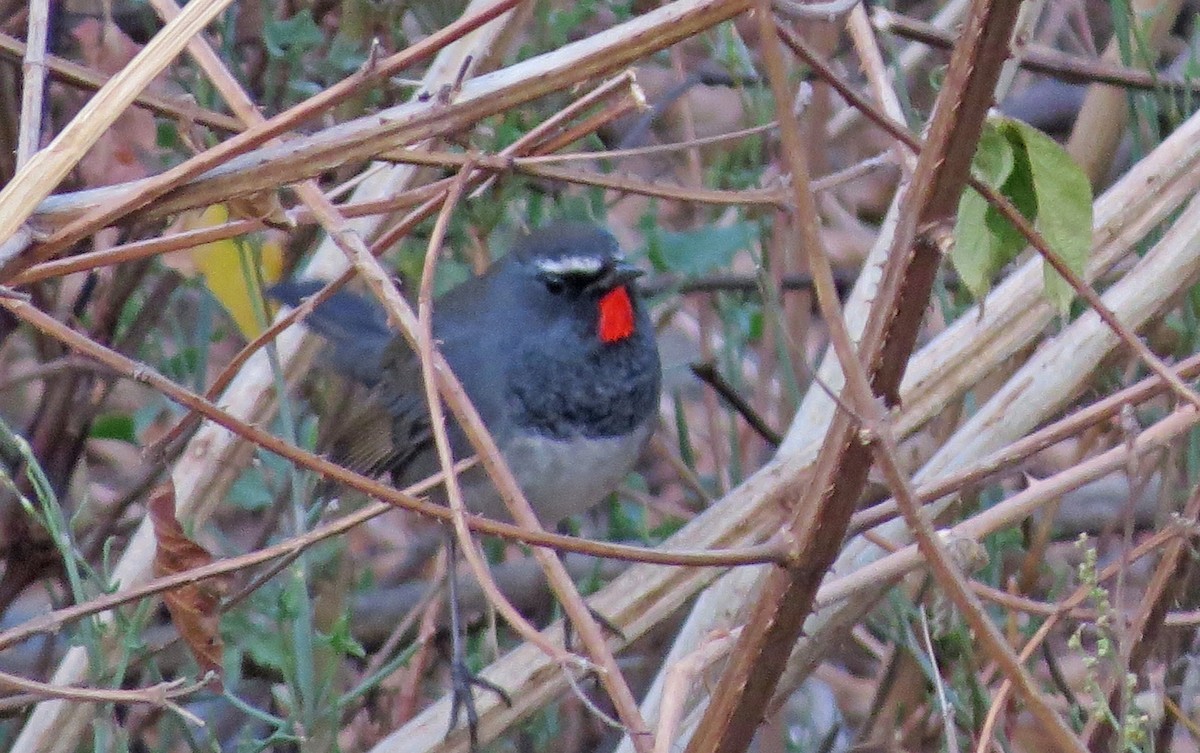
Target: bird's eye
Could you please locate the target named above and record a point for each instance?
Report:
(554, 285)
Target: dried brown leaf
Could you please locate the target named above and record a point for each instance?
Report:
(194, 607)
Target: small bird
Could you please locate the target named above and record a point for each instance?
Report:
(555, 350)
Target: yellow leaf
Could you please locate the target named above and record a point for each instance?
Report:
(228, 272)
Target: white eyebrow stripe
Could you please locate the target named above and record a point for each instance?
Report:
(570, 265)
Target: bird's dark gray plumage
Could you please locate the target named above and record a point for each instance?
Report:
(569, 410)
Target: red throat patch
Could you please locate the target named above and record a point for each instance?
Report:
(616, 315)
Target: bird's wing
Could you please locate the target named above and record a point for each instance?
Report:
(382, 424)
(366, 439)
(354, 327)
(387, 429)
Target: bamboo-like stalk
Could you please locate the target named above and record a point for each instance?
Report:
(46, 169)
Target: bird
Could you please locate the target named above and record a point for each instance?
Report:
(555, 349)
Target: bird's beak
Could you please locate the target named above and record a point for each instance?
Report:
(620, 273)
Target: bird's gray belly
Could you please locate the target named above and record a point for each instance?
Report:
(560, 477)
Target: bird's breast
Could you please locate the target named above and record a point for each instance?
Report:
(596, 392)
(565, 477)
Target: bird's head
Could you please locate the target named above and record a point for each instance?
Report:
(577, 269)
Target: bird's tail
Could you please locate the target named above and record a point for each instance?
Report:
(355, 327)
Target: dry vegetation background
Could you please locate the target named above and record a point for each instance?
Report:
(171, 584)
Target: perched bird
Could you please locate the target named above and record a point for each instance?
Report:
(555, 350)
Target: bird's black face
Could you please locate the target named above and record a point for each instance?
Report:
(577, 273)
(594, 289)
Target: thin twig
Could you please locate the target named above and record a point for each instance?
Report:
(949, 728)
(53, 621)
(682, 676)
(1014, 509)
(951, 579)
(437, 420)
(162, 694)
(707, 373)
(1081, 594)
(638, 151)
(259, 134)
(866, 45)
(828, 10)
(39, 176)
(819, 513)
(593, 639)
(371, 135)
(1006, 458)
(1140, 636)
(860, 390)
(948, 576)
(33, 82)
(187, 239)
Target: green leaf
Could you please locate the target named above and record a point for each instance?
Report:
(993, 160)
(984, 240)
(341, 641)
(449, 274)
(697, 252)
(249, 492)
(294, 36)
(626, 522)
(973, 254)
(1047, 188)
(252, 635)
(118, 426)
(1064, 207)
(1017, 188)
